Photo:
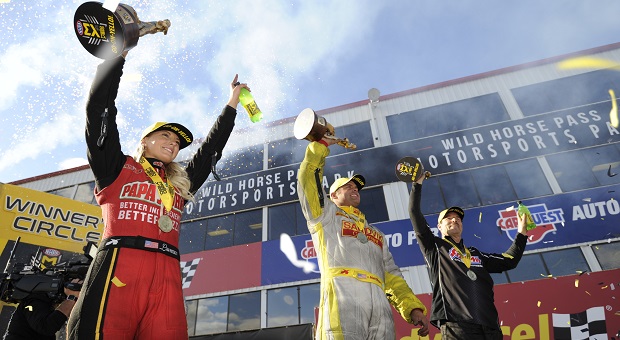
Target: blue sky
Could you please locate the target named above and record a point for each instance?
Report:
(293, 54)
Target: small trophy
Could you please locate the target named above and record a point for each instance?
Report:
(310, 126)
(409, 169)
(107, 35)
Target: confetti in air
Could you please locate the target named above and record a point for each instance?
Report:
(587, 62)
(613, 114)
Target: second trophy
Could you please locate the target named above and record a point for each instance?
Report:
(409, 169)
(312, 127)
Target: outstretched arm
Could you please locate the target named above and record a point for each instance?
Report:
(105, 156)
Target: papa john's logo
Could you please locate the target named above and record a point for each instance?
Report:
(544, 218)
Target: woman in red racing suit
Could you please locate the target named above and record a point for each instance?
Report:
(133, 287)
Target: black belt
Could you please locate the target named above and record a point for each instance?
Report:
(142, 243)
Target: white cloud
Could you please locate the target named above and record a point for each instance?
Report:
(72, 163)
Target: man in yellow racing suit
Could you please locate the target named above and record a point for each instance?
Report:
(359, 278)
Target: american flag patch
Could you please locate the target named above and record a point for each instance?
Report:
(150, 244)
(361, 276)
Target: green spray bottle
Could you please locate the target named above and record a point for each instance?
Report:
(247, 100)
(523, 210)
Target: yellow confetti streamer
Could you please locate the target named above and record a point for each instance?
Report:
(576, 283)
(613, 114)
(587, 62)
(480, 217)
(539, 303)
(117, 282)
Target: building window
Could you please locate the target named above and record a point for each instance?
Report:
(67, 192)
(484, 186)
(286, 151)
(220, 232)
(499, 278)
(309, 296)
(192, 236)
(212, 315)
(231, 313)
(372, 204)
(286, 219)
(283, 307)
(192, 307)
(528, 179)
(242, 161)
(244, 312)
(432, 198)
(587, 168)
(493, 185)
(447, 117)
(587, 88)
(240, 228)
(604, 161)
(608, 255)
(562, 262)
(248, 227)
(459, 190)
(292, 305)
(359, 134)
(86, 193)
(531, 267)
(565, 262)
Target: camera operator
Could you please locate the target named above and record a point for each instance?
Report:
(40, 317)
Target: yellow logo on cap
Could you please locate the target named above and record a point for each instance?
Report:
(179, 132)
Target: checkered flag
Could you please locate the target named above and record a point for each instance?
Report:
(589, 324)
(188, 269)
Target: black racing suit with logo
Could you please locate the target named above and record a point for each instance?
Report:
(456, 297)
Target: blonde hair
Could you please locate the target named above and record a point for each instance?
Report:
(176, 175)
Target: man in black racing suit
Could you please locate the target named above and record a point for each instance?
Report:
(463, 302)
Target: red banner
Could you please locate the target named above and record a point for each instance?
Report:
(531, 309)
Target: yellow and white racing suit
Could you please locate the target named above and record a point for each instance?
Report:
(357, 273)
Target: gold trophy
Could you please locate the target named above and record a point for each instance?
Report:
(107, 35)
(312, 127)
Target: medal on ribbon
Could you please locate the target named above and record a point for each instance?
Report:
(166, 194)
(362, 237)
(465, 258)
(165, 223)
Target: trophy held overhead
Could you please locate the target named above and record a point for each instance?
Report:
(312, 127)
(106, 34)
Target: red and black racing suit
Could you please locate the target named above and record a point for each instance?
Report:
(456, 297)
(133, 287)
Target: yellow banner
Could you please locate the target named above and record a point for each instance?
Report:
(48, 220)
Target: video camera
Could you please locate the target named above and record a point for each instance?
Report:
(23, 280)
